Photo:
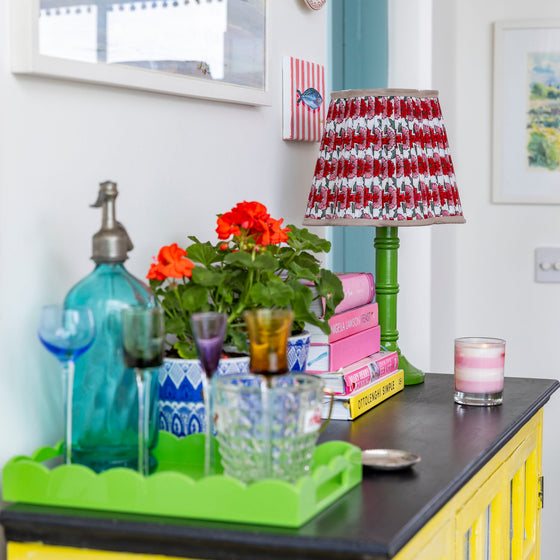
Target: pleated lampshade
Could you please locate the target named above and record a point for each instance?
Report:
(384, 160)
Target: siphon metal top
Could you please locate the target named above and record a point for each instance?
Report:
(111, 243)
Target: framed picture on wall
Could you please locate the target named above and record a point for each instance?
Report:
(211, 49)
(303, 100)
(526, 119)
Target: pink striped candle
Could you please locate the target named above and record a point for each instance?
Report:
(479, 370)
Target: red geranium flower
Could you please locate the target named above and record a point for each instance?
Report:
(251, 220)
(171, 263)
(244, 215)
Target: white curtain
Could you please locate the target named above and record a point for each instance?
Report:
(70, 34)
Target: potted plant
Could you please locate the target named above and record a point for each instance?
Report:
(255, 263)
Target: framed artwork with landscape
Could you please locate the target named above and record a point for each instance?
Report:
(526, 119)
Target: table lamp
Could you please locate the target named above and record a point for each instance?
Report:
(384, 161)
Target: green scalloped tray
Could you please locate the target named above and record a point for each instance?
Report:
(177, 488)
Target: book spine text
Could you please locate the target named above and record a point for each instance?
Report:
(353, 321)
(381, 391)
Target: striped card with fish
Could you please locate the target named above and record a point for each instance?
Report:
(303, 100)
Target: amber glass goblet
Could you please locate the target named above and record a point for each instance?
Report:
(268, 331)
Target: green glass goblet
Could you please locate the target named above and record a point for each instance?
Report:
(143, 333)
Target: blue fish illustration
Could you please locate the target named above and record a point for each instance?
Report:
(311, 97)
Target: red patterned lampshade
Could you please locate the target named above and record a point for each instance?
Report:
(384, 161)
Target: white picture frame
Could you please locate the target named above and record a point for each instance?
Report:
(526, 147)
(26, 59)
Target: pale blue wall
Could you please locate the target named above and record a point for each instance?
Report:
(359, 49)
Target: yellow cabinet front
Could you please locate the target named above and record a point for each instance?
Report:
(496, 515)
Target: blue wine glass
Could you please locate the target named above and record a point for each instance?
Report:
(143, 336)
(67, 333)
(209, 329)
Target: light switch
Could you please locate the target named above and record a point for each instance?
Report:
(547, 264)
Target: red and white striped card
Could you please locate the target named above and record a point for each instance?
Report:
(304, 100)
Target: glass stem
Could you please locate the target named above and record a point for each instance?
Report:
(142, 376)
(209, 445)
(267, 426)
(68, 389)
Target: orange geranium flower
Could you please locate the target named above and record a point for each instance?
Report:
(226, 228)
(244, 215)
(253, 219)
(171, 263)
(277, 234)
(154, 273)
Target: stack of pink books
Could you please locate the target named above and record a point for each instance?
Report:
(350, 359)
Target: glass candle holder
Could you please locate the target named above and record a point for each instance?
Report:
(479, 371)
(268, 331)
(268, 430)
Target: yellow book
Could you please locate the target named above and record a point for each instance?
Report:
(348, 407)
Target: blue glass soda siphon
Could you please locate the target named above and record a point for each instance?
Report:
(105, 404)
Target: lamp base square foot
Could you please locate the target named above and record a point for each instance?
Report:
(412, 375)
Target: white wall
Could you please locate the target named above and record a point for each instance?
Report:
(410, 67)
(178, 162)
(483, 272)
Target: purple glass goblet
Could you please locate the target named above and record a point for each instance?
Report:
(209, 329)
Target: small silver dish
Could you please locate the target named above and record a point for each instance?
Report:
(389, 459)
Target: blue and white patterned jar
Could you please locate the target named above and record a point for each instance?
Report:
(181, 408)
(298, 349)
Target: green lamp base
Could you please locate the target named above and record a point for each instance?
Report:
(386, 245)
(412, 375)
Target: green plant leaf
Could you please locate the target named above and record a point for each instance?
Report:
(275, 293)
(171, 302)
(195, 299)
(247, 261)
(155, 284)
(203, 253)
(239, 258)
(186, 350)
(207, 276)
(239, 339)
(309, 273)
(329, 287)
(301, 302)
(265, 262)
(302, 239)
(174, 325)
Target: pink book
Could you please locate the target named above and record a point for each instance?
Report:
(346, 324)
(361, 373)
(358, 288)
(336, 355)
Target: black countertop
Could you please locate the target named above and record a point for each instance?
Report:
(372, 521)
